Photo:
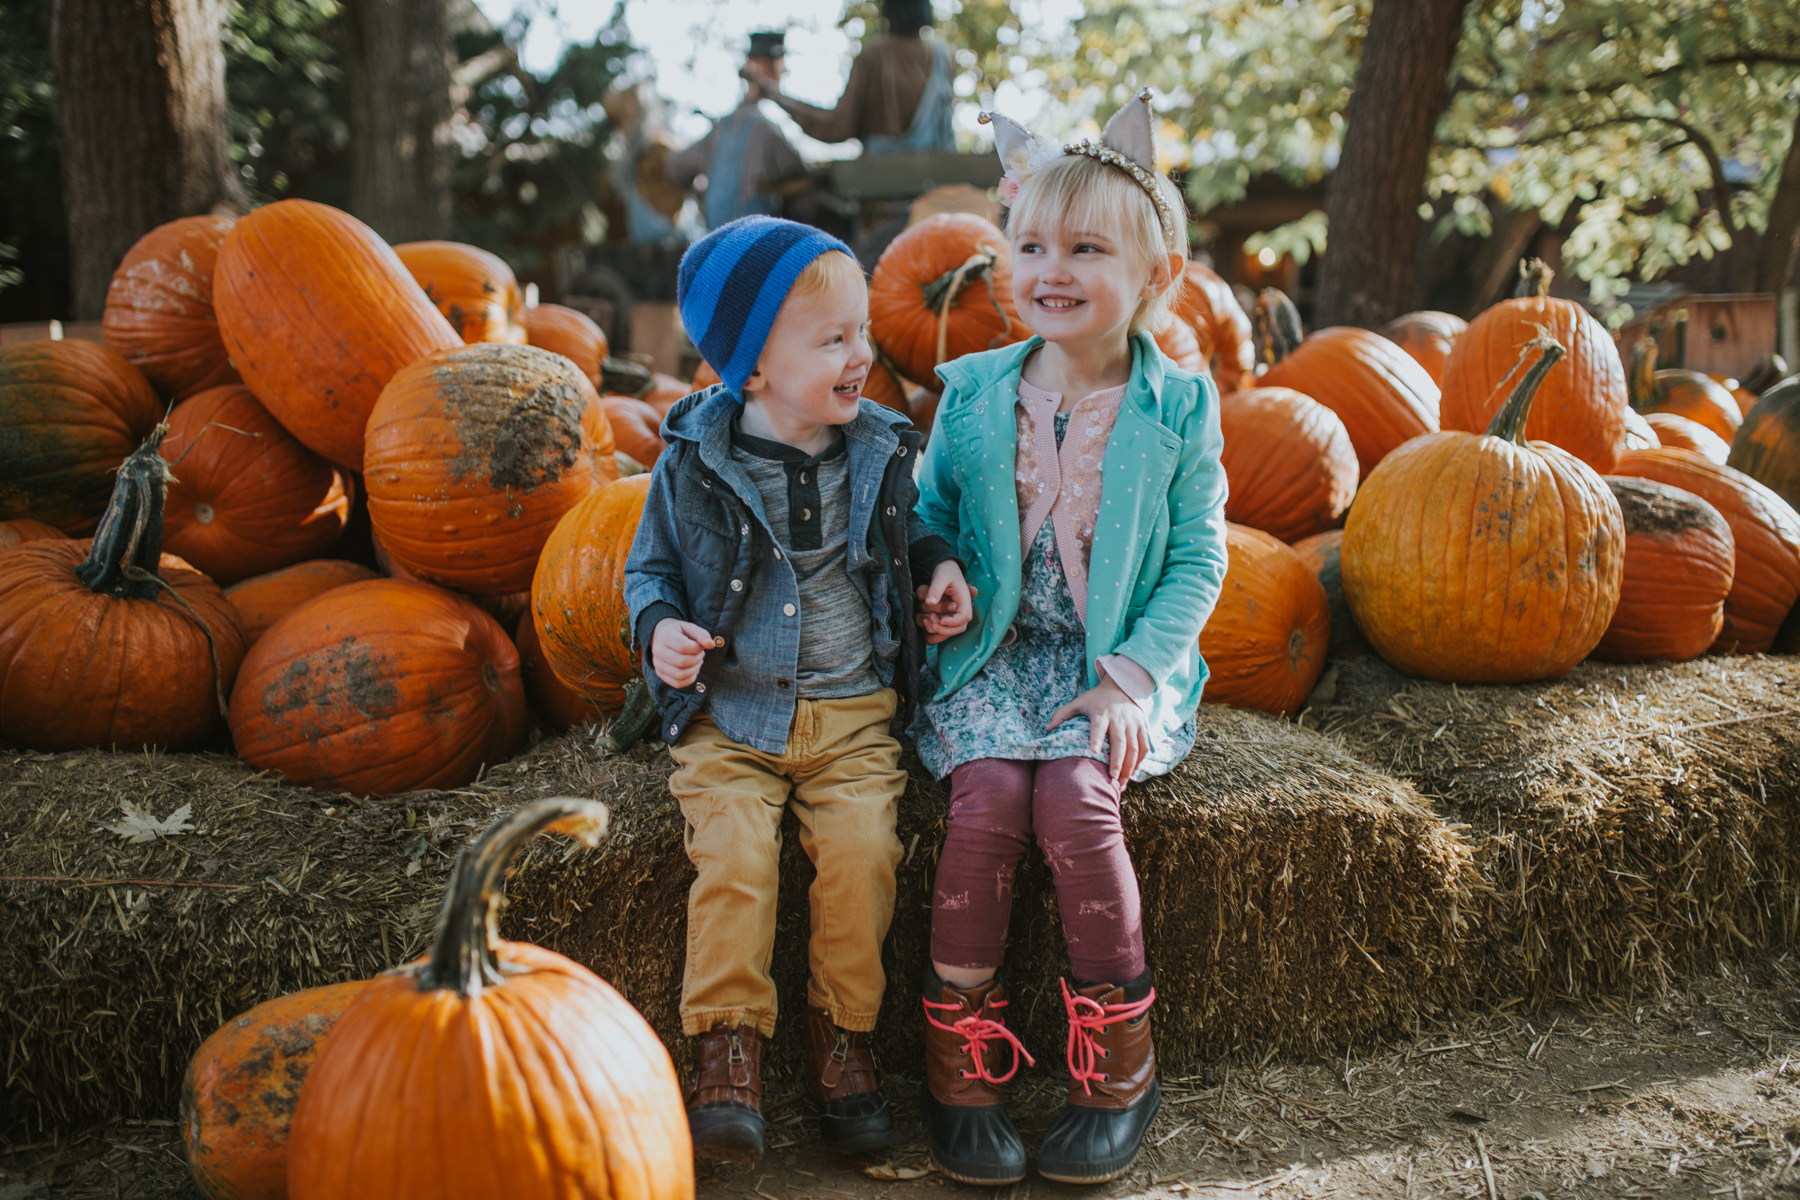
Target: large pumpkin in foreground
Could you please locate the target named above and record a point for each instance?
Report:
(1380, 393)
(109, 642)
(1765, 531)
(472, 457)
(1266, 640)
(492, 1068)
(474, 289)
(1767, 445)
(247, 497)
(266, 599)
(1581, 405)
(943, 289)
(238, 1096)
(70, 412)
(578, 597)
(380, 687)
(318, 314)
(1678, 568)
(159, 307)
(1288, 460)
(1480, 558)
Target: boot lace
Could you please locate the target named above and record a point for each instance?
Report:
(977, 1031)
(1086, 1017)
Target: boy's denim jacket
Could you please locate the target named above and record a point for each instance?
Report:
(704, 553)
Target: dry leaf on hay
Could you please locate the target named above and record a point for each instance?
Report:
(139, 826)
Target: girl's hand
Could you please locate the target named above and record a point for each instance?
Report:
(1110, 713)
(677, 648)
(948, 601)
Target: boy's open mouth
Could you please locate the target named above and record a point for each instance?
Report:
(848, 389)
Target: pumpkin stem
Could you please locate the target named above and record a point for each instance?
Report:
(1645, 389)
(1277, 326)
(1509, 422)
(1534, 279)
(131, 531)
(1766, 375)
(942, 292)
(629, 727)
(462, 951)
(622, 377)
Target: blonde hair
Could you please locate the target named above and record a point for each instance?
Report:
(1078, 192)
(825, 272)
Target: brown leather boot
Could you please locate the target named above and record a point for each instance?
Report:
(841, 1075)
(725, 1107)
(1113, 1093)
(969, 1054)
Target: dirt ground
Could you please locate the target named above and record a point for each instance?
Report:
(1692, 1094)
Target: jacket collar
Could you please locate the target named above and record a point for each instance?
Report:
(1000, 369)
(704, 419)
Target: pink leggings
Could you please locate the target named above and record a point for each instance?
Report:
(1071, 805)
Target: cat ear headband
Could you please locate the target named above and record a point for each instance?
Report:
(1128, 143)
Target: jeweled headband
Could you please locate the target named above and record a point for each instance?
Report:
(1128, 143)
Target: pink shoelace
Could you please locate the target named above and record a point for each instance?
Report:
(978, 1031)
(1085, 1018)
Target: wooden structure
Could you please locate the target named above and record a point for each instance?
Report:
(1727, 334)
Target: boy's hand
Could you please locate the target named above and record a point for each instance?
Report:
(948, 601)
(1110, 713)
(677, 648)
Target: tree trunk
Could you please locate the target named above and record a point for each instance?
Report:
(397, 58)
(141, 89)
(1374, 195)
(1496, 265)
(1781, 236)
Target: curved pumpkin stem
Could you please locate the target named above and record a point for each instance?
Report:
(942, 292)
(1535, 277)
(1645, 389)
(1278, 329)
(131, 531)
(629, 727)
(1509, 422)
(462, 951)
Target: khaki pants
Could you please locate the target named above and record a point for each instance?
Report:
(842, 769)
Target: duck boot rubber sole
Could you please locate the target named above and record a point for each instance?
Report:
(857, 1123)
(973, 1144)
(726, 1132)
(1094, 1145)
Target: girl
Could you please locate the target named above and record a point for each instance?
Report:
(1078, 477)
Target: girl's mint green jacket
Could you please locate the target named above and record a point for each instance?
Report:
(1159, 557)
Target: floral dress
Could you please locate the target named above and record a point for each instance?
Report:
(1040, 666)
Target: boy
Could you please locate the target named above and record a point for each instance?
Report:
(771, 590)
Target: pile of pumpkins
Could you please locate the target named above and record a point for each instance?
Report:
(1480, 503)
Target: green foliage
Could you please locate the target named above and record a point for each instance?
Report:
(285, 86)
(33, 234)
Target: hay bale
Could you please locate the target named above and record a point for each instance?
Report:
(1631, 823)
(1293, 897)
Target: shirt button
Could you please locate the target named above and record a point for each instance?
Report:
(803, 477)
(891, 510)
(806, 514)
(901, 452)
(737, 585)
(787, 610)
(896, 562)
(744, 529)
(782, 684)
(674, 729)
(700, 689)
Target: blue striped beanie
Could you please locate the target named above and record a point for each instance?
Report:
(734, 280)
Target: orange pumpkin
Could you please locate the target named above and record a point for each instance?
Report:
(474, 454)
(1767, 446)
(559, 707)
(1383, 397)
(70, 411)
(474, 289)
(1178, 340)
(1765, 531)
(943, 289)
(318, 313)
(109, 642)
(238, 1095)
(492, 1068)
(636, 427)
(24, 529)
(1428, 336)
(1322, 555)
(159, 307)
(1639, 433)
(1581, 406)
(1266, 640)
(705, 376)
(1694, 396)
(1481, 558)
(923, 403)
(578, 597)
(884, 389)
(1683, 434)
(377, 687)
(1678, 569)
(1221, 327)
(665, 392)
(267, 598)
(568, 333)
(247, 496)
(1288, 460)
